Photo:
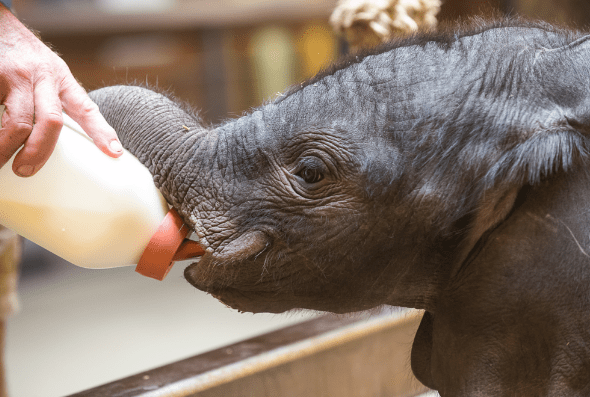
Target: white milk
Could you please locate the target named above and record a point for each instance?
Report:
(86, 207)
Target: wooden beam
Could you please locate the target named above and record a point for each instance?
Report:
(327, 356)
(86, 17)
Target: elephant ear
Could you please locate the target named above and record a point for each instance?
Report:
(563, 76)
(556, 91)
(542, 130)
(518, 240)
(505, 322)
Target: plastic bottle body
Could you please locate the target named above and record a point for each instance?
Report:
(84, 206)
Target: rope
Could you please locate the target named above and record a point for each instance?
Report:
(367, 23)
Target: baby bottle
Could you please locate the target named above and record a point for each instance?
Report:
(93, 210)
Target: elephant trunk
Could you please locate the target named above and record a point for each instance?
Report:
(154, 129)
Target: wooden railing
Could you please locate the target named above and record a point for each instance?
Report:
(327, 356)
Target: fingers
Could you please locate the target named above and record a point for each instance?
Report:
(34, 119)
(78, 105)
(17, 122)
(48, 124)
(34, 85)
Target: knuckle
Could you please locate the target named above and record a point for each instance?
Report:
(60, 64)
(54, 121)
(20, 129)
(44, 71)
(88, 106)
(23, 74)
(34, 153)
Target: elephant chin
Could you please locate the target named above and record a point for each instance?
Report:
(252, 302)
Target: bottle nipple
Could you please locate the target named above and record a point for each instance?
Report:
(167, 245)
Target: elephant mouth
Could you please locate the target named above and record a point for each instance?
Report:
(239, 286)
(250, 274)
(232, 275)
(243, 296)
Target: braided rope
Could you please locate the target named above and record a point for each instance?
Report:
(367, 23)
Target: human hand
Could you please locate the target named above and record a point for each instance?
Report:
(36, 85)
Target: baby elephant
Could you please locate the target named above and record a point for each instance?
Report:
(446, 172)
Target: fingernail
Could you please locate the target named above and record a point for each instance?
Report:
(116, 146)
(25, 170)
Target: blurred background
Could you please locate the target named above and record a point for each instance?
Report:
(79, 328)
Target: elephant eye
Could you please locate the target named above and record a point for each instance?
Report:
(312, 170)
(311, 175)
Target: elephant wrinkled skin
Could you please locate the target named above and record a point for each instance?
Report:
(447, 172)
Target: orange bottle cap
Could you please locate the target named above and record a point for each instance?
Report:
(167, 245)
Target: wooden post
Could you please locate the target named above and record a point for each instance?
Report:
(10, 252)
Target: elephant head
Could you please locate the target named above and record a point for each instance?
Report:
(378, 181)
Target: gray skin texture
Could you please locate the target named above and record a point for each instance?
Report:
(445, 172)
